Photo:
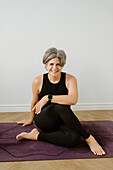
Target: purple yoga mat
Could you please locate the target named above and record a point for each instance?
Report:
(26, 150)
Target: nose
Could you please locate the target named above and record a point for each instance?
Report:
(54, 66)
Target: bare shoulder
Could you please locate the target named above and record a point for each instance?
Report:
(71, 83)
(37, 82)
(70, 77)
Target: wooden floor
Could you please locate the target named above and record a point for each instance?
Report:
(72, 164)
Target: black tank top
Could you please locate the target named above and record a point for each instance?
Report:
(54, 89)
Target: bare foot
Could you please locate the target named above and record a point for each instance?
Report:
(32, 135)
(94, 146)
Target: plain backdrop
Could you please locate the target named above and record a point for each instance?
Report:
(82, 28)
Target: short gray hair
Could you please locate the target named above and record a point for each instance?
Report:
(52, 53)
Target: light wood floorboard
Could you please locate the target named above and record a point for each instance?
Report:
(70, 164)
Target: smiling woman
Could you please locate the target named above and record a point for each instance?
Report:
(54, 70)
(53, 93)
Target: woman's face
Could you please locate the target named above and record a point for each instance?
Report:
(53, 67)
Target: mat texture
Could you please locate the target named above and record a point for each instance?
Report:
(26, 150)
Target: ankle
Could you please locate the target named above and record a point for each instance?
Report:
(89, 138)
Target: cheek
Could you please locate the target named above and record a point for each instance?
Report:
(47, 68)
(60, 68)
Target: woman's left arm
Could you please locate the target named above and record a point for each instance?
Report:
(72, 97)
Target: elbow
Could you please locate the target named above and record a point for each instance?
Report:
(74, 101)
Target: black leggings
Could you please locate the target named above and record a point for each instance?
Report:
(60, 126)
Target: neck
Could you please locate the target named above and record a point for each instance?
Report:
(54, 79)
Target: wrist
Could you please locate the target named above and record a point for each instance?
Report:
(46, 98)
(49, 97)
(30, 120)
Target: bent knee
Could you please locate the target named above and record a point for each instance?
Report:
(60, 107)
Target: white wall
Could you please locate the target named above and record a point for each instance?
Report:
(83, 28)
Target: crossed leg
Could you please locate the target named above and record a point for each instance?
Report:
(71, 121)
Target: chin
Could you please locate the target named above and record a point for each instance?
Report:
(55, 74)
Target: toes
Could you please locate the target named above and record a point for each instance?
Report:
(99, 152)
(94, 152)
(18, 137)
(103, 153)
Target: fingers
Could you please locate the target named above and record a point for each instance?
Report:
(18, 122)
(24, 124)
(38, 110)
(33, 108)
(21, 122)
(27, 123)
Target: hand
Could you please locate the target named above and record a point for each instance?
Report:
(37, 108)
(24, 122)
(40, 104)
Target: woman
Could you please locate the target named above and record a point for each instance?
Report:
(53, 93)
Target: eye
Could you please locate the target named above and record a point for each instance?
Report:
(51, 64)
(58, 64)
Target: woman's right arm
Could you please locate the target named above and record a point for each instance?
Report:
(35, 90)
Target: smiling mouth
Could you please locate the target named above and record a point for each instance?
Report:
(54, 71)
